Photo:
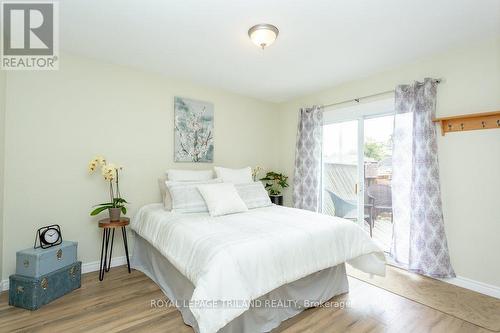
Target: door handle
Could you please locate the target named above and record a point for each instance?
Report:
(356, 188)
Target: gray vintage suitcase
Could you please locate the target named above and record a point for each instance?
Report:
(31, 293)
(38, 262)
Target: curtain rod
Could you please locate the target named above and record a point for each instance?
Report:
(358, 99)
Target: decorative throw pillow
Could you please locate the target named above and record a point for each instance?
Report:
(235, 176)
(189, 175)
(186, 197)
(222, 199)
(254, 195)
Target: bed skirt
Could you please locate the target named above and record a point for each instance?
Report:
(266, 313)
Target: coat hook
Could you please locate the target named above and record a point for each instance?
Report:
(484, 124)
(462, 126)
(498, 122)
(449, 127)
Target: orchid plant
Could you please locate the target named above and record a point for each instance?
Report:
(110, 173)
(255, 172)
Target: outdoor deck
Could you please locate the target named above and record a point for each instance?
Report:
(341, 179)
(382, 233)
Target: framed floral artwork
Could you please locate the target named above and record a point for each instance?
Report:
(194, 131)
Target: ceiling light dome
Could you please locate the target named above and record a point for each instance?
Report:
(263, 35)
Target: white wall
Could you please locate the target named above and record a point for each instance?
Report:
(469, 161)
(57, 121)
(2, 145)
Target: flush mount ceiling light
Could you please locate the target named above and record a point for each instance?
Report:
(263, 35)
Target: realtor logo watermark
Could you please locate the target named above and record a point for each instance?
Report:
(30, 33)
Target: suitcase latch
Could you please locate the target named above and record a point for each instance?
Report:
(59, 254)
(44, 283)
(20, 289)
(72, 272)
(26, 262)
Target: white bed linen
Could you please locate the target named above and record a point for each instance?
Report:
(269, 310)
(243, 256)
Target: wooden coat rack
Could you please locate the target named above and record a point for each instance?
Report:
(469, 122)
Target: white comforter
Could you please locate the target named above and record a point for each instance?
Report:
(243, 256)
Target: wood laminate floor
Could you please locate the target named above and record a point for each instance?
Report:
(478, 309)
(122, 303)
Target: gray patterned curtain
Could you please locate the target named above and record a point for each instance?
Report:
(419, 238)
(308, 153)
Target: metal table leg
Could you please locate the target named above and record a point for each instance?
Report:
(125, 243)
(104, 253)
(110, 250)
(105, 263)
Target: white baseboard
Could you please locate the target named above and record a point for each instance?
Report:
(480, 287)
(86, 268)
(94, 265)
(459, 281)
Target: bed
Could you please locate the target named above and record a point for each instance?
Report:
(248, 272)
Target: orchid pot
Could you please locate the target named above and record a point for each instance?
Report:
(114, 214)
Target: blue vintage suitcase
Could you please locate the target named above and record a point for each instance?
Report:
(31, 293)
(38, 262)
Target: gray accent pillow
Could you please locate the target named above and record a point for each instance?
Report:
(254, 195)
(186, 197)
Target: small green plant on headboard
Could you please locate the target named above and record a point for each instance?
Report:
(275, 182)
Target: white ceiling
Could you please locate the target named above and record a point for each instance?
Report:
(321, 43)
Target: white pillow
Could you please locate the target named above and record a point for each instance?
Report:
(189, 175)
(235, 176)
(186, 197)
(165, 194)
(222, 199)
(254, 195)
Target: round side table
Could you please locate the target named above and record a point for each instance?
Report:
(108, 227)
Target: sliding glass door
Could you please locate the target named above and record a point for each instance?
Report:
(378, 132)
(357, 171)
(341, 170)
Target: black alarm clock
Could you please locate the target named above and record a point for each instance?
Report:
(48, 236)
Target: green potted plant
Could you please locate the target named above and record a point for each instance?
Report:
(275, 183)
(111, 173)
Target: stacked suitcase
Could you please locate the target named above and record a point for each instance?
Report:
(43, 275)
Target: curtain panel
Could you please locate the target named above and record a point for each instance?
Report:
(308, 159)
(419, 236)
